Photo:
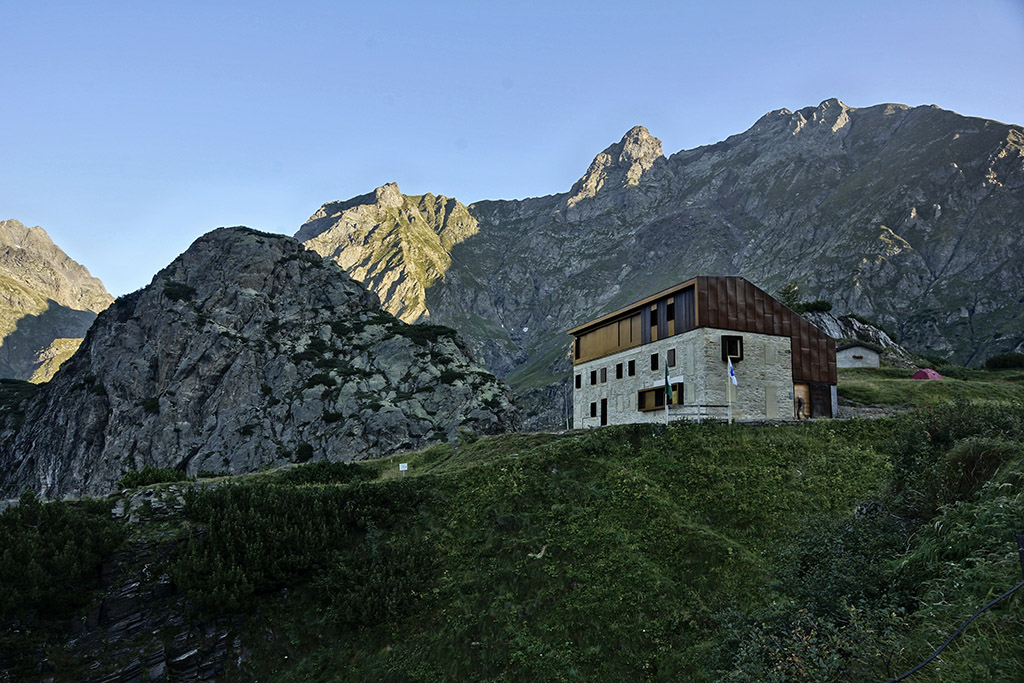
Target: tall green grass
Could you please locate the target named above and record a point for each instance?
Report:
(894, 387)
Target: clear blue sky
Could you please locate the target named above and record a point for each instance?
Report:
(127, 129)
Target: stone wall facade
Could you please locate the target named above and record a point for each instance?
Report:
(764, 377)
(857, 357)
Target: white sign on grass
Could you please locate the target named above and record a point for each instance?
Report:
(403, 466)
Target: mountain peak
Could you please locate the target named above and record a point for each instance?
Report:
(46, 296)
(639, 146)
(245, 351)
(389, 196)
(621, 164)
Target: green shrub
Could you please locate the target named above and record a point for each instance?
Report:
(151, 405)
(148, 476)
(325, 472)
(819, 306)
(450, 376)
(50, 554)
(303, 452)
(1004, 361)
(927, 360)
(972, 462)
(319, 379)
(425, 334)
(953, 372)
(178, 291)
(256, 538)
(923, 465)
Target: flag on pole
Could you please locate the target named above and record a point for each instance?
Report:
(668, 388)
(732, 374)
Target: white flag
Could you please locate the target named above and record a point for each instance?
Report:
(732, 373)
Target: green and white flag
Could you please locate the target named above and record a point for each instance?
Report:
(668, 388)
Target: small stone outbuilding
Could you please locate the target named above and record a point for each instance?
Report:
(858, 355)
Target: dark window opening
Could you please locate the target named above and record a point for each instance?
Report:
(593, 410)
(632, 368)
(732, 347)
(670, 311)
(577, 347)
(618, 371)
(654, 361)
(604, 375)
(604, 412)
(593, 377)
(670, 358)
(579, 381)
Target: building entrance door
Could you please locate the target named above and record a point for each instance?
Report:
(801, 401)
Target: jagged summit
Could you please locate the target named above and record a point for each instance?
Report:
(246, 351)
(404, 242)
(621, 164)
(30, 256)
(47, 302)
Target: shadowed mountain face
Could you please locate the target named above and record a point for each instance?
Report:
(247, 351)
(47, 302)
(906, 216)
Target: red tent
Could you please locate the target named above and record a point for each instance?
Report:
(927, 373)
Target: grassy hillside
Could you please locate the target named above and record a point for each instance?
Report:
(694, 552)
(890, 386)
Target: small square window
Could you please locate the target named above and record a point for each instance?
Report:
(732, 347)
(618, 371)
(670, 358)
(632, 368)
(593, 410)
(604, 375)
(593, 377)
(579, 381)
(654, 361)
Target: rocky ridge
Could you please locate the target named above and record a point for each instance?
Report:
(904, 216)
(48, 302)
(398, 246)
(247, 351)
(850, 328)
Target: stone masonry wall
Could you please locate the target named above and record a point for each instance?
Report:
(848, 358)
(764, 376)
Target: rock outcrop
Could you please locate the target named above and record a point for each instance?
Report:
(397, 246)
(47, 301)
(247, 351)
(907, 216)
(848, 327)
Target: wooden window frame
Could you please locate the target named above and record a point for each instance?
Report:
(732, 342)
(657, 395)
(604, 375)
